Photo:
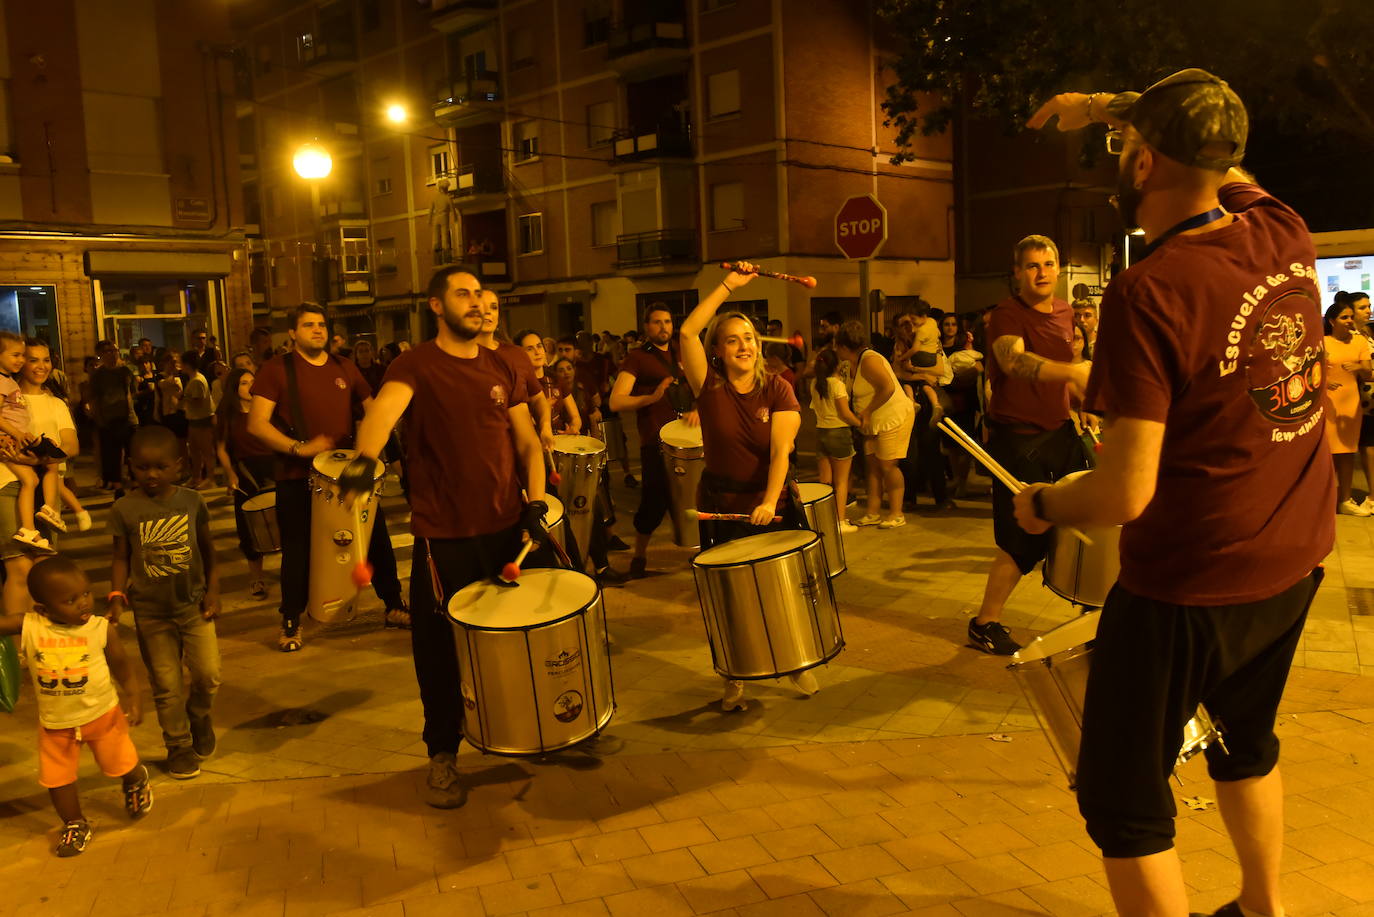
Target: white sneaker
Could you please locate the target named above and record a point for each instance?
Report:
(1348, 508)
(848, 528)
(733, 698)
(83, 521)
(1368, 505)
(805, 682)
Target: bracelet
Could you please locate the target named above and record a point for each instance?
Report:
(296, 447)
(116, 592)
(1092, 96)
(728, 288)
(1038, 504)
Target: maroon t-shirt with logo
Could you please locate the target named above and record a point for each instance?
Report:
(736, 432)
(332, 399)
(523, 366)
(1044, 405)
(1218, 336)
(460, 456)
(649, 372)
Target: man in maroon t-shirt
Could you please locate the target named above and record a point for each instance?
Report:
(642, 386)
(469, 441)
(1209, 370)
(1028, 417)
(330, 394)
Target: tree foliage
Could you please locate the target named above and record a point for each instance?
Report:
(1302, 65)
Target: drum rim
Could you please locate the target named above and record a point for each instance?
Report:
(755, 560)
(830, 491)
(272, 491)
(526, 627)
(577, 436)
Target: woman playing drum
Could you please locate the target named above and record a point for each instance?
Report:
(562, 405)
(749, 423)
(247, 464)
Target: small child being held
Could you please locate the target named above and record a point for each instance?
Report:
(71, 654)
(14, 420)
(165, 561)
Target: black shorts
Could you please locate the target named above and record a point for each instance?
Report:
(653, 490)
(1152, 664)
(1031, 458)
(1367, 431)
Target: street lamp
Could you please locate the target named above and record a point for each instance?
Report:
(396, 113)
(312, 161)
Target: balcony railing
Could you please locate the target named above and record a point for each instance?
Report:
(340, 210)
(472, 180)
(659, 33)
(486, 269)
(634, 144)
(455, 15)
(325, 53)
(651, 249)
(468, 101)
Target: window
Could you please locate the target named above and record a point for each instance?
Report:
(381, 170)
(600, 123)
(722, 94)
(274, 272)
(386, 256)
(353, 245)
(603, 223)
(521, 49)
(440, 165)
(531, 229)
(383, 186)
(526, 137)
(596, 19)
(264, 59)
(727, 207)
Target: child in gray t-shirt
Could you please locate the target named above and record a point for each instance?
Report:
(164, 569)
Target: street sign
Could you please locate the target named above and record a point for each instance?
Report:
(861, 227)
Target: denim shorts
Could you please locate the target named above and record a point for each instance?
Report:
(835, 442)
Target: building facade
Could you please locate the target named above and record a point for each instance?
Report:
(120, 211)
(582, 157)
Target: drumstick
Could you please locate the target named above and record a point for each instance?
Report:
(808, 282)
(974, 449)
(723, 517)
(511, 571)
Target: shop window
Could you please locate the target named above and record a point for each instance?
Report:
(531, 229)
(32, 312)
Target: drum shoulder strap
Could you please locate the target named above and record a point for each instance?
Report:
(293, 398)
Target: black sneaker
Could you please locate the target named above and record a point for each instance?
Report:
(991, 637)
(138, 797)
(203, 739)
(638, 567)
(631, 481)
(75, 836)
(610, 577)
(616, 544)
(181, 763)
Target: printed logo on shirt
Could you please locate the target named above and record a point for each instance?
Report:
(1285, 371)
(166, 545)
(61, 670)
(338, 380)
(498, 395)
(762, 415)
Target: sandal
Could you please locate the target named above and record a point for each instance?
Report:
(30, 538)
(290, 640)
(52, 517)
(398, 618)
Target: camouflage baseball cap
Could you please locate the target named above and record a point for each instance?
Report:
(1182, 114)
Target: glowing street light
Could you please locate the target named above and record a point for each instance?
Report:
(312, 161)
(396, 113)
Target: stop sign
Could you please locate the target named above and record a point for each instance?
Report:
(861, 227)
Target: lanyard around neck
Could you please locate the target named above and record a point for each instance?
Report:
(1193, 222)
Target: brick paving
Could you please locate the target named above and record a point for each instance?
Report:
(916, 782)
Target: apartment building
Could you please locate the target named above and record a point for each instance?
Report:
(587, 156)
(120, 213)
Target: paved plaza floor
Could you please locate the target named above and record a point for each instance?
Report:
(915, 782)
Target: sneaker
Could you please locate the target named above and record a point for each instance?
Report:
(638, 567)
(1348, 508)
(1368, 504)
(617, 544)
(52, 517)
(733, 698)
(398, 618)
(203, 739)
(138, 797)
(848, 528)
(444, 787)
(291, 637)
(258, 590)
(181, 763)
(75, 836)
(892, 522)
(991, 637)
(631, 481)
(83, 521)
(805, 682)
(609, 576)
(870, 519)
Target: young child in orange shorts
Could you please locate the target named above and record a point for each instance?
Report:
(71, 655)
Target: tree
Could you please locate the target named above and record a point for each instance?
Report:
(1303, 68)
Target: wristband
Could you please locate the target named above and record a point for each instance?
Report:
(296, 447)
(1038, 504)
(116, 592)
(1092, 96)
(728, 288)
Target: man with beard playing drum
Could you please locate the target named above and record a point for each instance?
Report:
(469, 441)
(1209, 375)
(749, 423)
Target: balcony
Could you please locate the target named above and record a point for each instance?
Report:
(455, 15)
(335, 210)
(636, 144)
(350, 289)
(487, 270)
(653, 47)
(464, 103)
(655, 250)
(326, 54)
(476, 188)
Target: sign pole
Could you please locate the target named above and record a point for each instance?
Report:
(865, 307)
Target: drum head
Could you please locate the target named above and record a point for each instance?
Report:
(542, 597)
(1068, 635)
(265, 500)
(680, 435)
(753, 548)
(574, 445)
(332, 463)
(555, 513)
(811, 493)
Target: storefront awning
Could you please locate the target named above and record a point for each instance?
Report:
(162, 264)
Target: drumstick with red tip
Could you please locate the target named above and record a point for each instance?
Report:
(808, 282)
(511, 571)
(723, 517)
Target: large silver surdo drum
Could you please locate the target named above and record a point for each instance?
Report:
(613, 435)
(579, 460)
(768, 604)
(554, 520)
(818, 502)
(684, 457)
(1053, 672)
(339, 535)
(534, 662)
(1079, 572)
